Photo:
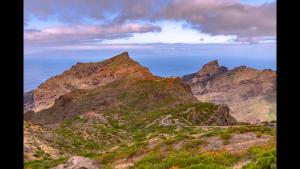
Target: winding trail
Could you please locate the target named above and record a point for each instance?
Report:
(163, 121)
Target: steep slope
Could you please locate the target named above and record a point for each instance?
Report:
(86, 76)
(250, 93)
(130, 94)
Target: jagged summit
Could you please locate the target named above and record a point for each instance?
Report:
(211, 64)
(211, 68)
(123, 54)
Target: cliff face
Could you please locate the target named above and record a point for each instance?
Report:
(86, 76)
(250, 93)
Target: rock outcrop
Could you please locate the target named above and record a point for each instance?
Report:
(222, 117)
(249, 93)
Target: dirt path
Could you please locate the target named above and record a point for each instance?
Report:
(238, 143)
(241, 163)
(164, 121)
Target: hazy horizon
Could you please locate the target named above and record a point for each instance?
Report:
(162, 61)
(170, 37)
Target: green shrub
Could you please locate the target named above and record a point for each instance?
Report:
(262, 159)
(226, 135)
(44, 164)
(186, 160)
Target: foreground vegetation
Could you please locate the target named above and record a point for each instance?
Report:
(159, 147)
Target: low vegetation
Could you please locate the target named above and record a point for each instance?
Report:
(262, 158)
(187, 160)
(44, 164)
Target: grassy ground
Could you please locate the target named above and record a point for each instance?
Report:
(163, 154)
(141, 136)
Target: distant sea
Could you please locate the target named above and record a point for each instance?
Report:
(39, 66)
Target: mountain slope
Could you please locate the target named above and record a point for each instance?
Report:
(130, 94)
(250, 93)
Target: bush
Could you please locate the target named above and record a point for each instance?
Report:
(263, 159)
(225, 135)
(44, 164)
(186, 160)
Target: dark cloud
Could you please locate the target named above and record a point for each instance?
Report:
(227, 17)
(74, 11)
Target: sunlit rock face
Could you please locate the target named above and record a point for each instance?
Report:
(250, 93)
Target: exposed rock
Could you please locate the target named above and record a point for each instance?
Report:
(239, 143)
(208, 72)
(249, 93)
(94, 116)
(78, 162)
(222, 117)
(35, 140)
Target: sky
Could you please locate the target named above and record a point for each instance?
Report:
(171, 37)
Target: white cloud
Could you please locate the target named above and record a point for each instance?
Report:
(172, 32)
(80, 33)
(213, 20)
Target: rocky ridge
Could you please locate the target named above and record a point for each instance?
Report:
(250, 93)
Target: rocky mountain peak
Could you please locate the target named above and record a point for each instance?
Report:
(211, 68)
(87, 76)
(208, 71)
(214, 64)
(124, 54)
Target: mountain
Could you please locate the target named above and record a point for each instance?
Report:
(118, 115)
(86, 76)
(250, 93)
(118, 84)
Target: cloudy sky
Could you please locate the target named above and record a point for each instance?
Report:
(83, 22)
(241, 29)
